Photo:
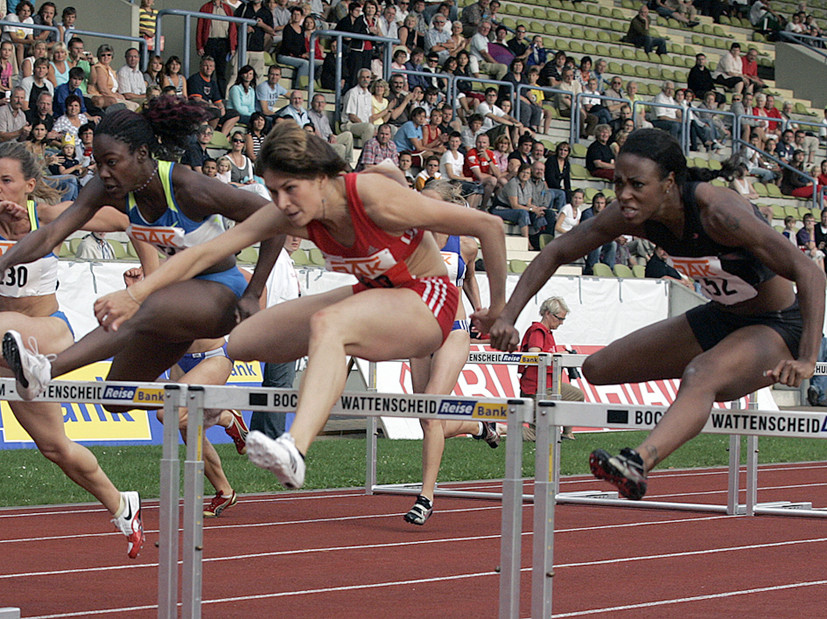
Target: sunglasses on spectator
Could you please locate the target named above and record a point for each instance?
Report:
(238, 140)
(559, 318)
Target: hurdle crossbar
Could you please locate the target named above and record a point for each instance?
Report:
(361, 404)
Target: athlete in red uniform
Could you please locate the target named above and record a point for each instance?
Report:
(370, 225)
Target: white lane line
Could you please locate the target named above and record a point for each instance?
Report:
(695, 598)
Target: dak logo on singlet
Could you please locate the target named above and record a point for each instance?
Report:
(168, 239)
(718, 284)
(363, 267)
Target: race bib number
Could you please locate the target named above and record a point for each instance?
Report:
(716, 283)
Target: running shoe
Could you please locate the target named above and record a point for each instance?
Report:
(130, 524)
(420, 512)
(279, 456)
(238, 431)
(32, 370)
(624, 471)
(219, 503)
(489, 434)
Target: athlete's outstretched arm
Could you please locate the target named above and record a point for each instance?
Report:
(579, 241)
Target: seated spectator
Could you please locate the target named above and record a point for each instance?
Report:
(558, 169)
(405, 167)
(172, 77)
(73, 119)
(469, 133)
(659, 268)
(255, 135)
(103, 83)
(387, 22)
(409, 35)
(550, 200)
(513, 203)
(438, 38)
(357, 108)
(537, 54)
(638, 34)
(680, 10)
(632, 95)
(749, 69)
(131, 82)
(13, 122)
(593, 105)
(7, 67)
(480, 165)
(94, 246)
(538, 151)
(763, 17)
(742, 184)
(502, 149)
(521, 155)
(806, 239)
(551, 74)
(379, 148)
(379, 105)
(606, 253)
(531, 114)
(714, 122)
(196, 153)
(58, 66)
(785, 149)
(269, 93)
(43, 112)
(457, 42)
(564, 102)
(700, 80)
(473, 15)
(209, 167)
(667, 118)
(429, 172)
(793, 182)
(20, 36)
(600, 159)
(65, 162)
(37, 83)
(809, 144)
(242, 95)
(481, 59)
(409, 137)
(536, 97)
(620, 140)
(789, 230)
(342, 142)
(730, 71)
(495, 119)
(203, 86)
(570, 215)
(451, 166)
(433, 138)
(762, 127)
(757, 165)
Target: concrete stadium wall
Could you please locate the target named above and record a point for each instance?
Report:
(803, 70)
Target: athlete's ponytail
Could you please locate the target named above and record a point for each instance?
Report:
(31, 169)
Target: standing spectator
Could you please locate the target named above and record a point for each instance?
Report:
(606, 253)
(730, 71)
(131, 82)
(600, 159)
(204, 87)
(357, 108)
(357, 54)
(539, 338)
(638, 34)
(147, 16)
(294, 46)
(558, 170)
(268, 94)
(379, 148)
(256, 34)
(218, 39)
(342, 143)
(481, 60)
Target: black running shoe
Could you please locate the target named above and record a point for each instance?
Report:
(420, 512)
(624, 471)
(489, 434)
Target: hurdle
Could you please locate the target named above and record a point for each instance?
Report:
(750, 422)
(542, 360)
(358, 404)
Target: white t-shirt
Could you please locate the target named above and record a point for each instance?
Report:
(454, 163)
(483, 110)
(572, 217)
(282, 283)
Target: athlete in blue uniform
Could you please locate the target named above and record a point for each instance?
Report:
(171, 207)
(756, 330)
(28, 304)
(438, 372)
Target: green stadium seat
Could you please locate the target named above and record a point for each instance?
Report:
(589, 48)
(118, 249)
(618, 14)
(639, 271)
(774, 191)
(622, 271)
(654, 73)
(538, 13)
(300, 258)
(791, 211)
(65, 251)
(627, 53)
(545, 239)
(552, 15)
(604, 51)
(316, 257)
(641, 55)
(578, 33)
(564, 31)
(576, 47)
(517, 266)
(777, 210)
(248, 255)
(550, 29)
(761, 190)
(602, 270)
(579, 150)
(579, 172)
(591, 22)
(578, 19)
(641, 71)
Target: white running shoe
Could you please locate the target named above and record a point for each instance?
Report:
(130, 523)
(279, 456)
(32, 370)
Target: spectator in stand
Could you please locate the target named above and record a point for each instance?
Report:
(631, 94)
(21, 37)
(268, 94)
(531, 114)
(433, 138)
(438, 38)
(13, 122)
(342, 142)
(606, 253)
(551, 74)
(793, 182)
(59, 65)
(281, 18)
(379, 148)
(405, 167)
(570, 215)
(242, 95)
(774, 112)
(806, 240)
(409, 137)
(67, 24)
(749, 66)
(80, 58)
(204, 87)
(680, 10)
(638, 34)
(767, 129)
(480, 165)
(218, 39)
(37, 83)
(713, 121)
(763, 17)
(659, 268)
(103, 83)
(256, 42)
(700, 80)
(667, 118)
(380, 112)
(255, 135)
(536, 97)
(550, 200)
(789, 230)
(756, 164)
(410, 37)
(600, 74)
(809, 144)
(502, 148)
(294, 46)
(469, 133)
(518, 44)
(538, 151)
(196, 154)
(71, 87)
(358, 107)
(564, 102)
(593, 104)
(387, 23)
(7, 68)
(296, 111)
(620, 140)
(521, 155)
(584, 73)
(71, 122)
(495, 120)
(513, 203)
(398, 101)
(42, 112)
(537, 54)
(615, 90)
(786, 147)
(742, 184)
(481, 60)
(415, 63)
(600, 159)
(730, 72)
(429, 172)
(131, 82)
(472, 16)
(451, 167)
(558, 169)
(357, 54)
(147, 18)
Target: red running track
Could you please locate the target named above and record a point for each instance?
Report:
(341, 553)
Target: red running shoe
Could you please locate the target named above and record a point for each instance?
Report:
(130, 524)
(238, 431)
(624, 471)
(219, 503)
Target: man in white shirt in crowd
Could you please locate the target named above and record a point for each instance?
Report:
(495, 121)
(341, 143)
(480, 61)
(295, 109)
(131, 82)
(357, 108)
(388, 26)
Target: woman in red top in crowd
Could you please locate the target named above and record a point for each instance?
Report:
(370, 225)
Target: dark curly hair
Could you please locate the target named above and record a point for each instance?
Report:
(164, 126)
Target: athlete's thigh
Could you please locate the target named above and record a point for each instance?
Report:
(52, 334)
(447, 362)
(736, 365)
(385, 323)
(211, 371)
(146, 358)
(659, 351)
(281, 333)
(43, 421)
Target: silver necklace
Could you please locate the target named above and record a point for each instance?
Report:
(149, 180)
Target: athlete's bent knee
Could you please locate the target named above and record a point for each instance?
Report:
(595, 370)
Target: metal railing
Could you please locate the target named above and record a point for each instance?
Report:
(241, 56)
(140, 42)
(814, 43)
(684, 141)
(339, 36)
(574, 131)
(451, 79)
